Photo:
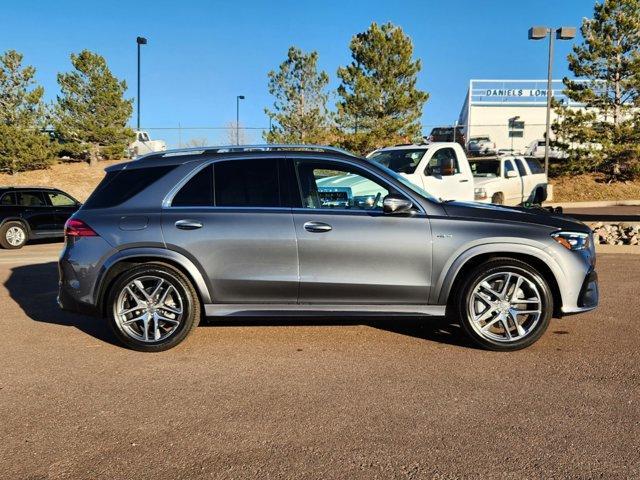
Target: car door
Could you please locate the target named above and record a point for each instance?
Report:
(447, 187)
(349, 251)
(512, 184)
(63, 205)
(237, 229)
(526, 180)
(36, 210)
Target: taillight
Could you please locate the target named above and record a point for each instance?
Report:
(77, 228)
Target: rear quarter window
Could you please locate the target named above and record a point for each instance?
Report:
(534, 166)
(119, 186)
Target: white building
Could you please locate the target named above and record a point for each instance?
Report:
(511, 112)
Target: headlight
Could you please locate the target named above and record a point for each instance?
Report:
(479, 193)
(572, 240)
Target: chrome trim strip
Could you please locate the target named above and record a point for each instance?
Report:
(270, 309)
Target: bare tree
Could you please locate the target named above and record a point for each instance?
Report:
(237, 134)
(197, 142)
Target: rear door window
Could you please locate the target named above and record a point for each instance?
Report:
(247, 183)
(534, 166)
(31, 199)
(198, 191)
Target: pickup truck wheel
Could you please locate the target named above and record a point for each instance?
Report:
(504, 305)
(13, 235)
(497, 198)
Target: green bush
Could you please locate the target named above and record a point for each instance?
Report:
(24, 149)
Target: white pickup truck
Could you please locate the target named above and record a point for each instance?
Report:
(509, 180)
(143, 145)
(440, 168)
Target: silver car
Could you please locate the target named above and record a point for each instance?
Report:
(266, 230)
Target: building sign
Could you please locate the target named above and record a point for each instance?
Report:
(515, 92)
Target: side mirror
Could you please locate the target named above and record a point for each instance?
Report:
(511, 174)
(395, 204)
(447, 167)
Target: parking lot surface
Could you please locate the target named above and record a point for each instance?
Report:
(265, 398)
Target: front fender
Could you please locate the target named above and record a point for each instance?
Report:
(454, 264)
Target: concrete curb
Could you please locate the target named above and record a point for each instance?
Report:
(594, 204)
(622, 249)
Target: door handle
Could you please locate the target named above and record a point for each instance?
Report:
(188, 224)
(317, 227)
(465, 180)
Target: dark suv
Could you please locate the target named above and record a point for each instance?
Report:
(270, 230)
(27, 213)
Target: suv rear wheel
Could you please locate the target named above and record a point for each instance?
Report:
(13, 235)
(505, 304)
(153, 307)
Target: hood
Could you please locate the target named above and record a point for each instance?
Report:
(537, 216)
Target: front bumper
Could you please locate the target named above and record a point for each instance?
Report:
(588, 297)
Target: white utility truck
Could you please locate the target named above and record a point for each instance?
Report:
(509, 180)
(440, 168)
(143, 145)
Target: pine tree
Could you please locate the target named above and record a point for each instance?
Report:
(379, 104)
(91, 113)
(299, 112)
(605, 135)
(23, 143)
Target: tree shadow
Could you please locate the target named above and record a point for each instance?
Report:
(35, 287)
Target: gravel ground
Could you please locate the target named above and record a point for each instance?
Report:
(256, 398)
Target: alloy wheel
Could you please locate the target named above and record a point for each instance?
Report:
(505, 307)
(149, 309)
(15, 236)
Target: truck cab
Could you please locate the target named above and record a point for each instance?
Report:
(440, 168)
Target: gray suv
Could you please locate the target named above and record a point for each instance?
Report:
(267, 230)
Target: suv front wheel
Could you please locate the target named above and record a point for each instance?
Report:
(153, 307)
(505, 304)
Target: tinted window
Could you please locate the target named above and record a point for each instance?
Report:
(334, 186)
(400, 161)
(485, 168)
(435, 162)
(31, 199)
(508, 167)
(521, 170)
(119, 186)
(534, 166)
(247, 183)
(8, 199)
(198, 191)
(58, 199)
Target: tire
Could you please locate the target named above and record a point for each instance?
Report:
(13, 235)
(130, 308)
(474, 297)
(497, 198)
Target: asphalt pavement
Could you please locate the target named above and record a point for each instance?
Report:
(315, 398)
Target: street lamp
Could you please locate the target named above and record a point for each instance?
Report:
(139, 41)
(238, 98)
(512, 127)
(539, 33)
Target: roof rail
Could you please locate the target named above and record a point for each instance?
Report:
(267, 147)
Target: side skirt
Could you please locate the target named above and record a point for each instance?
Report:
(288, 309)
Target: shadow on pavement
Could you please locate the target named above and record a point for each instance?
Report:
(35, 287)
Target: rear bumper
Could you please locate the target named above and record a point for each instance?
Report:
(68, 303)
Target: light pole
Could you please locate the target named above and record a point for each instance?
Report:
(512, 126)
(139, 41)
(238, 98)
(539, 33)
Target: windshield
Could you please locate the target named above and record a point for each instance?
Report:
(400, 161)
(485, 168)
(404, 181)
(479, 139)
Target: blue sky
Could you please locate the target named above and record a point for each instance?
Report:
(202, 54)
